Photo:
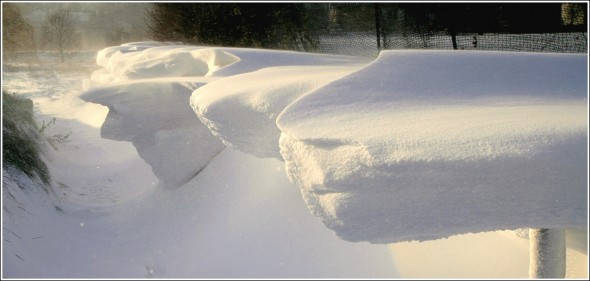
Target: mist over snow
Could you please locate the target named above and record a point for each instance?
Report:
(211, 162)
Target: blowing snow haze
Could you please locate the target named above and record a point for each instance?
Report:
(96, 25)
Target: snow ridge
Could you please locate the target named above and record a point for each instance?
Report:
(416, 145)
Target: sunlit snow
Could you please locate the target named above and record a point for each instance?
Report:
(426, 144)
(275, 156)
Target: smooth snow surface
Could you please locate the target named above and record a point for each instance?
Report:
(156, 117)
(240, 218)
(128, 62)
(147, 85)
(392, 150)
(254, 107)
(425, 144)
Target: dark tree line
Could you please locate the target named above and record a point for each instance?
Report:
(494, 17)
(268, 25)
(298, 26)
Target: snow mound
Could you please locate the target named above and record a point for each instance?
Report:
(104, 55)
(144, 61)
(426, 144)
(256, 59)
(416, 145)
(145, 86)
(242, 109)
(156, 117)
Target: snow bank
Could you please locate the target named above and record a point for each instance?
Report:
(146, 87)
(141, 60)
(256, 59)
(145, 60)
(241, 110)
(426, 144)
(156, 117)
(416, 145)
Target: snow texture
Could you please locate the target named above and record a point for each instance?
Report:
(254, 107)
(416, 145)
(146, 86)
(151, 60)
(156, 117)
(426, 144)
(241, 108)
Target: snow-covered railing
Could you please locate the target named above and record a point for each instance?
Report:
(415, 145)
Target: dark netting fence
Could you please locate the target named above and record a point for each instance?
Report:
(366, 28)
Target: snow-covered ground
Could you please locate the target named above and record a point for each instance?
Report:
(240, 216)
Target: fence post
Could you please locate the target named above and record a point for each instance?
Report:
(454, 39)
(547, 253)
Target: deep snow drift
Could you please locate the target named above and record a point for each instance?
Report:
(257, 133)
(156, 117)
(147, 85)
(240, 217)
(407, 147)
(427, 144)
(416, 145)
(420, 145)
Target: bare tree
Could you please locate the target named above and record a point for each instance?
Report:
(58, 31)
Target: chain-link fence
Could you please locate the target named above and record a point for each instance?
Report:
(365, 29)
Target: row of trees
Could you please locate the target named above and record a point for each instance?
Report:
(299, 25)
(268, 25)
(295, 26)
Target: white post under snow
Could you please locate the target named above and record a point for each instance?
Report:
(547, 253)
